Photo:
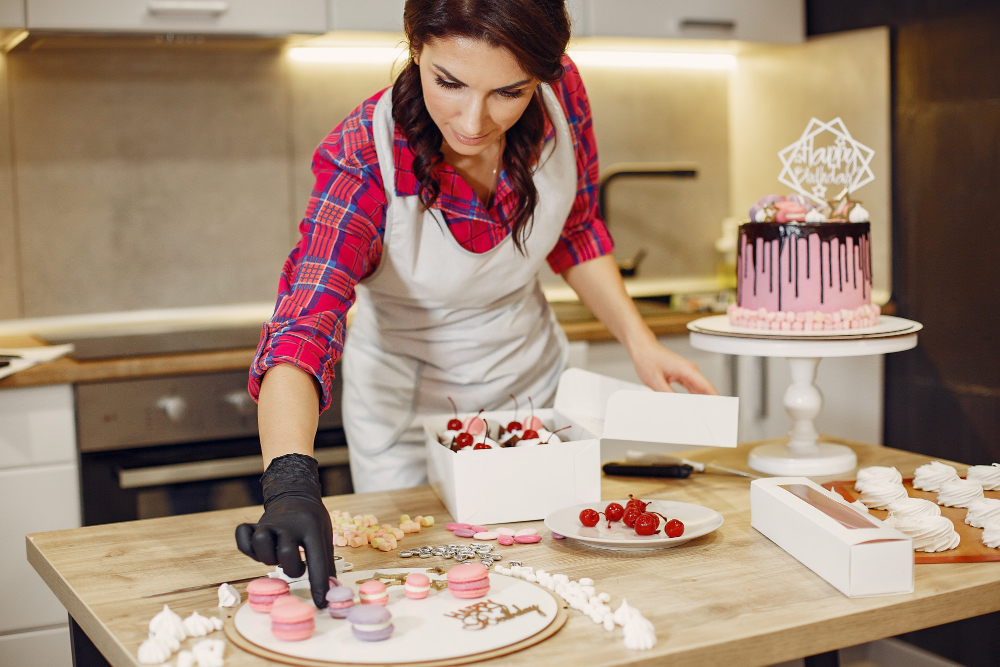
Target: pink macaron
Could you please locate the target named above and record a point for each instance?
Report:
(261, 593)
(417, 586)
(293, 620)
(471, 580)
(373, 592)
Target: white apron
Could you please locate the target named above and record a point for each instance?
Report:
(436, 320)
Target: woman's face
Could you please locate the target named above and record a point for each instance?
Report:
(474, 91)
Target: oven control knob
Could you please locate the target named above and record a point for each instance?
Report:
(242, 401)
(173, 407)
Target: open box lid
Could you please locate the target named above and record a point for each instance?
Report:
(617, 410)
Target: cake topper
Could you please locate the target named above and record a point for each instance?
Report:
(826, 157)
(483, 614)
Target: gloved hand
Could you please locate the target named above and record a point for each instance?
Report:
(294, 515)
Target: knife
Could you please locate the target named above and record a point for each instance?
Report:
(633, 457)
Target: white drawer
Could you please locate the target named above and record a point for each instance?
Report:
(370, 15)
(254, 17)
(33, 500)
(37, 426)
(40, 648)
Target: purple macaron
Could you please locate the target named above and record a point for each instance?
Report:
(339, 601)
(370, 622)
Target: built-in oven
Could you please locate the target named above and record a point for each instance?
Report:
(179, 444)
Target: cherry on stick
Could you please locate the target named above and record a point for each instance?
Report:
(589, 517)
(454, 424)
(514, 425)
(553, 433)
(631, 514)
(614, 512)
(647, 524)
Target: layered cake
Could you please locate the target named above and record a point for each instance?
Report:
(803, 267)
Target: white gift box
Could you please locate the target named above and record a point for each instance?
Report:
(528, 483)
(855, 552)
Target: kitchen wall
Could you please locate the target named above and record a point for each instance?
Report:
(140, 176)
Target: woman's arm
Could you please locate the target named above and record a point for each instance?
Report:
(287, 412)
(599, 285)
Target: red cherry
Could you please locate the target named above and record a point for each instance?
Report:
(647, 524)
(463, 439)
(454, 424)
(482, 445)
(589, 517)
(673, 528)
(614, 512)
(631, 514)
(640, 505)
(514, 426)
(529, 435)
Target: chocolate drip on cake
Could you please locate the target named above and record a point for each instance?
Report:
(772, 237)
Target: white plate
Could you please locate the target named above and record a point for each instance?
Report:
(697, 521)
(887, 326)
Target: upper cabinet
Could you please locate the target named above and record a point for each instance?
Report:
(370, 15)
(11, 14)
(749, 20)
(222, 17)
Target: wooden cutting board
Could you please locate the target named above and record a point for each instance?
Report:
(970, 550)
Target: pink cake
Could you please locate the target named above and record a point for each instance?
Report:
(804, 276)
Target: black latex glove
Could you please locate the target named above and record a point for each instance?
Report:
(294, 516)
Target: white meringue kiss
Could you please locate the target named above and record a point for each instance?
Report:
(228, 596)
(813, 216)
(199, 626)
(906, 508)
(169, 623)
(991, 534)
(982, 511)
(877, 475)
(879, 496)
(987, 476)
(858, 214)
(930, 476)
(153, 652)
(959, 493)
(929, 533)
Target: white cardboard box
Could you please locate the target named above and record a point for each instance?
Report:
(528, 483)
(856, 553)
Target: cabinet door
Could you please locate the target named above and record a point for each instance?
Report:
(39, 648)
(370, 15)
(33, 500)
(11, 14)
(252, 17)
(751, 20)
(37, 426)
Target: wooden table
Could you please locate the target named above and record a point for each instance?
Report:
(729, 598)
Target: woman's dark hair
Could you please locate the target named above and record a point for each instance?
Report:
(535, 32)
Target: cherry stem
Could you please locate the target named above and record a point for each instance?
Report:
(514, 398)
(554, 432)
(532, 403)
(455, 407)
(665, 519)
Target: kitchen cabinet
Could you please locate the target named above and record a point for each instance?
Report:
(749, 20)
(236, 17)
(39, 491)
(370, 15)
(11, 14)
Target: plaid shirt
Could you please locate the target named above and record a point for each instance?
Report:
(344, 228)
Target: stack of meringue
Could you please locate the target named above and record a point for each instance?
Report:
(879, 486)
(877, 475)
(991, 533)
(581, 595)
(909, 508)
(986, 476)
(930, 476)
(959, 493)
(929, 533)
(167, 631)
(982, 511)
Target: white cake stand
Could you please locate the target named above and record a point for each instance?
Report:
(803, 454)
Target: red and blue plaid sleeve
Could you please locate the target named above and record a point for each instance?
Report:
(342, 235)
(585, 235)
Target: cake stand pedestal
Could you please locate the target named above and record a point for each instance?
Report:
(804, 454)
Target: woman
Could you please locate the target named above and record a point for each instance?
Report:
(435, 207)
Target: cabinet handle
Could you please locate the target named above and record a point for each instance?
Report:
(242, 402)
(187, 7)
(722, 25)
(173, 407)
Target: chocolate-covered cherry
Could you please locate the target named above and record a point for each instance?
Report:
(454, 424)
(647, 524)
(589, 517)
(673, 528)
(614, 512)
(631, 514)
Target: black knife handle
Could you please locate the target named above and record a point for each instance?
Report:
(674, 470)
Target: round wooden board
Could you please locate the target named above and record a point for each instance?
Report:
(561, 617)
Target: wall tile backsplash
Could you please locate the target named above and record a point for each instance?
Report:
(138, 178)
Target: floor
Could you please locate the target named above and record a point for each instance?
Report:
(884, 653)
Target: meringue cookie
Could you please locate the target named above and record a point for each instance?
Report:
(930, 476)
(815, 216)
(987, 476)
(186, 659)
(982, 511)
(878, 475)
(880, 495)
(929, 533)
(906, 508)
(228, 596)
(861, 507)
(199, 626)
(209, 652)
(858, 214)
(991, 534)
(639, 633)
(760, 215)
(169, 623)
(167, 639)
(959, 493)
(152, 652)
(624, 613)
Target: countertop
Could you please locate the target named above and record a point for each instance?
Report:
(729, 598)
